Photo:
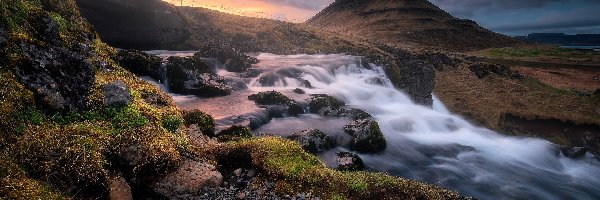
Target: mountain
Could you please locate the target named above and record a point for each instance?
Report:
(563, 39)
(407, 23)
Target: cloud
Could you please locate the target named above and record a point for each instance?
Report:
(584, 17)
(302, 4)
(467, 8)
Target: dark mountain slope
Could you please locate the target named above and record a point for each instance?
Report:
(406, 23)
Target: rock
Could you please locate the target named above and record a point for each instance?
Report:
(116, 94)
(597, 92)
(270, 98)
(299, 91)
(347, 161)
(60, 78)
(232, 59)
(596, 78)
(154, 99)
(190, 178)
(295, 109)
(119, 189)
(194, 76)
(140, 63)
(368, 138)
(3, 37)
(573, 152)
(234, 133)
(323, 104)
(482, 70)
(313, 141)
(416, 78)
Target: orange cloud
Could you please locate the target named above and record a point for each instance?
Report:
(282, 10)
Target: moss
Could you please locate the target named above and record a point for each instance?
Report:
(320, 101)
(17, 185)
(14, 98)
(234, 133)
(171, 123)
(205, 122)
(270, 98)
(298, 171)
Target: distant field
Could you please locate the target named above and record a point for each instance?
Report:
(544, 53)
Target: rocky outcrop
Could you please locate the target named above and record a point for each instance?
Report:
(313, 141)
(140, 63)
(368, 138)
(416, 78)
(347, 161)
(203, 121)
(194, 76)
(232, 59)
(482, 70)
(190, 178)
(324, 104)
(282, 104)
(60, 76)
(116, 94)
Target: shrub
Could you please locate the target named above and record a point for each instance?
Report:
(204, 121)
(171, 123)
(235, 133)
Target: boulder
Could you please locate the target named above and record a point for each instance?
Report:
(195, 77)
(313, 140)
(60, 78)
(299, 91)
(270, 98)
(573, 152)
(116, 94)
(347, 161)
(368, 138)
(324, 104)
(140, 63)
(190, 178)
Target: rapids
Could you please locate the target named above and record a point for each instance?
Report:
(426, 144)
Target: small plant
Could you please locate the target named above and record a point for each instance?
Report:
(205, 122)
(171, 123)
(234, 133)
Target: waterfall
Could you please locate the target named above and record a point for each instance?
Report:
(433, 145)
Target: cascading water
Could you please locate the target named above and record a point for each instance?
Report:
(433, 145)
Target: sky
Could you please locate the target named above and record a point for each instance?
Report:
(511, 17)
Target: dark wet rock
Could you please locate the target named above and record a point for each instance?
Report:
(597, 92)
(299, 91)
(268, 79)
(313, 140)
(236, 84)
(323, 104)
(190, 178)
(194, 76)
(232, 59)
(347, 161)
(60, 78)
(295, 109)
(592, 141)
(270, 98)
(367, 137)
(307, 84)
(439, 60)
(417, 79)
(205, 122)
(573, 152)
(140, 63)
(234, 133)
(276, 111)
(116, 94)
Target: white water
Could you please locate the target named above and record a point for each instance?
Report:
(434, 146)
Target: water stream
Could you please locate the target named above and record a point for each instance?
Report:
(425, 144)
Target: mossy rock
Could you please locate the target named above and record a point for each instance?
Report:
(205, 122)
(298, 171)
(234, 133)
(349, 162)
(270, 98)
(320, 101)
(140, 63)
(368, 137)
(313, 140)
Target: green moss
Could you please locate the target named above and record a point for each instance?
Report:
(17, 185)
(171, 123)
(298, 171)
(320, 101)
(125, 119)
(234, 133)
(270, 98)
(205, 122)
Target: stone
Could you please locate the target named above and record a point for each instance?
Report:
(367, 137)
(313, 140)
(347, 161)
(573, 152)
(270, 98)
(116, 94)
(140, 63)
(323, 104)
(193, 76)
(190, 178)
(299, 91)
(416, 78)
(119, 189)
(234, 133)
(231, 58)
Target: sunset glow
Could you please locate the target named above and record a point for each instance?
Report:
(260, 8)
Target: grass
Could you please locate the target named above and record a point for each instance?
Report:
(540, 52)
(298, 171)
